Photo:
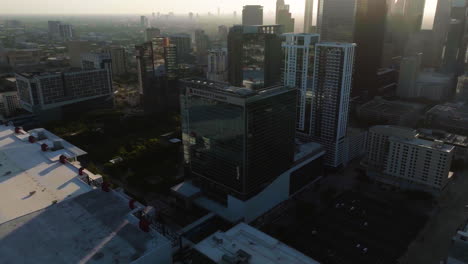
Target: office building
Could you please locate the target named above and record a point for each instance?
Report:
(54, 29)
(202, 45)
(397, 157)
(409, 73)
(440, 28)
(157, 74)
(183, 43)
(66, 32)
(23, 57)
(55, 208)
(240, 148)
(75, 49)
(284, 17)
(456, 43)
(252, 15)
(144, 23)
(308, 16)
(118, 56)
(369, 35)
(53, 95)
(333, 76)
(255, 55)
(299, 50)
(151, 33)
(435, 86)
(236, 246)
(451, 117)
(9, 101)
(223, 32)
(335, 20)
(217, 65)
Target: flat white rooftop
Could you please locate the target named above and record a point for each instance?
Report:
(30, 179)
(90, 228)
(258, 247)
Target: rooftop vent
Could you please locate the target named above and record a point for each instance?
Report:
(41, 135)
(57, 145)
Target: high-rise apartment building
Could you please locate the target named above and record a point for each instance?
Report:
(331, 94)
(308, 16)
(284, 17)
(151, 33)
(396, 156)
(299, 69)
(51, 95)
(183, 43)
(369, 35)
(252, 15)
(66, 32)
(409, 72)
(217, 65)
(335, 20)
(255, 56)
(236, 140)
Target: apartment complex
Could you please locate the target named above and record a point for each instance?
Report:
(396, 156)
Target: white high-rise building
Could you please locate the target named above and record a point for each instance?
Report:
(333, 77)
(217, 65)
(299, 52)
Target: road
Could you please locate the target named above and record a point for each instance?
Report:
(433, 243)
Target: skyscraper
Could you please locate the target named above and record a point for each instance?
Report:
(54, 28)
(336, 19)
(183, 43)
(308, 16)
(157, 75)
(66, 32)
(202, 45)
(236, 140)
(254, 54)
(252, 15)
(369, 35)
(151, 33)
(456, 42)
(331, 94)
(119, 60)
(217, 65)
(409, 72)
(299, 68)
(284, 17)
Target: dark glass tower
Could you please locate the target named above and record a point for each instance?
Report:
(255, 56)
(369, 35)
(252, 15)
(236, 140)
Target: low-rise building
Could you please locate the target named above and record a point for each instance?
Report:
(385, 112)
(245, 244)
(23, 57)
(396, 156)
(451, 117)
(65, 214)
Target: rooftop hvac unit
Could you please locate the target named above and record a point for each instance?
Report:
(41, 135)
(58, 145)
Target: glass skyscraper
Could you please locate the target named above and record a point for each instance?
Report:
(236, 140)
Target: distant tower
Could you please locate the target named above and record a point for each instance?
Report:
(335, 20)
(308, 16)
(252, 15)
(219, 11)
(284, 17)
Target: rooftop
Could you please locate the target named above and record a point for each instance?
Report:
(246, 242)
(433, 145)
(226, 89)
(393, 107)
(90, 228)
(449, 138)
(31, 179)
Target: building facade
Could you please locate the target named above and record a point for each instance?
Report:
(217, 65)
(254, 55)
(308, 16)
(284, 16)
(336, 19)
(118, 55)
(183, 43)
(299, 69)
(252, 15)
(331, 93)
(151, 33)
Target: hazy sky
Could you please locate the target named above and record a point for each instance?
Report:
(135, 6)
